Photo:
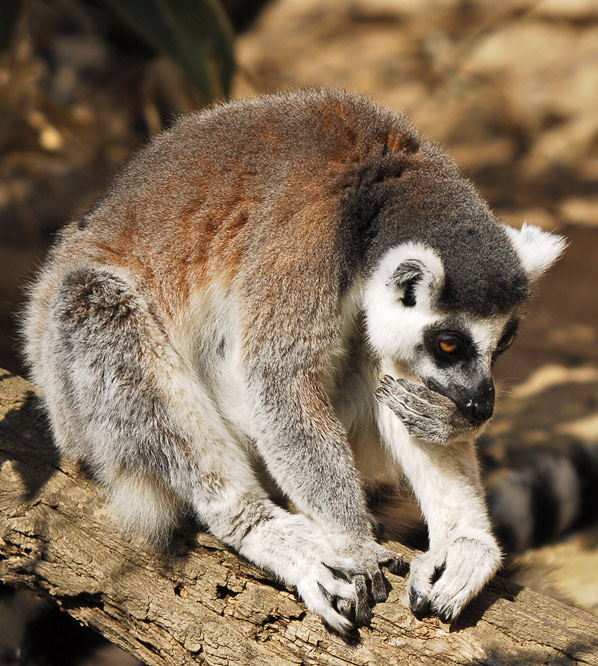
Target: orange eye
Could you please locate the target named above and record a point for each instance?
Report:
(506, 343)
(448, 347)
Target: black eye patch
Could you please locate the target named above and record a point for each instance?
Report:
(507, 338)
(448, 343)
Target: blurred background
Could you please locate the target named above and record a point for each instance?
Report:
(511, 88)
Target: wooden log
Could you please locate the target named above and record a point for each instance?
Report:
(199, 603)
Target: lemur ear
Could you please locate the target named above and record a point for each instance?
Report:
(405, 279)
(537, 249)
(418, 273)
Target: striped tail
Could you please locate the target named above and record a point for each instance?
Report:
(540, 458)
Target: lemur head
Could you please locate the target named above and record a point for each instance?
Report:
(443, 300)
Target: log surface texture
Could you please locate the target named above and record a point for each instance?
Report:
(200, 604)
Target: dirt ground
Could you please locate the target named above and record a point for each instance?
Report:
(511, 88)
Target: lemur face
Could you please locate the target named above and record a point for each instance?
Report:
(455, 358)
(452, 353)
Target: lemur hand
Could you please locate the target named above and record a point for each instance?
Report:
(445, 579)
(426, 414)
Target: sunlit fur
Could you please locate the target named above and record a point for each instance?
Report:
(210, 336)
(537, 249)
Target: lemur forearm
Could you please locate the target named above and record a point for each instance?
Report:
(445, 481)
(306, 450)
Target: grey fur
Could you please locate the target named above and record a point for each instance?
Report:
(200, 339)
(432, 203)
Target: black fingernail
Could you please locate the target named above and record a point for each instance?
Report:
(352, 636)
(363, 614)
(422, 611)
(398, 567)
(420, 606)
(445, 616)
(378, 588)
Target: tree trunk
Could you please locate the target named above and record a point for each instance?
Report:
(199, 603)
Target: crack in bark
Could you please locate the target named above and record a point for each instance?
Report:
(222, 592)
(82, 600)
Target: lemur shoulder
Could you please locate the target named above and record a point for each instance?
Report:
(224, 313)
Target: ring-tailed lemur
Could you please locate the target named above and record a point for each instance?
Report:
(222, 316)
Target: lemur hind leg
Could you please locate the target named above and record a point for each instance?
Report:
(97, 371)
(151, 434)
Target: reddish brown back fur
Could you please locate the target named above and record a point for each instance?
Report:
(249, 182)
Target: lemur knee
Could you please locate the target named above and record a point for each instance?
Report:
(87, 295)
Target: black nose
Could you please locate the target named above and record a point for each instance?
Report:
(478, 413)
(477, 406)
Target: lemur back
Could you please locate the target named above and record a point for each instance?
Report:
(229, 305)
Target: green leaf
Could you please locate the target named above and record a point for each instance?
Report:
(195, 33)
(10, 11)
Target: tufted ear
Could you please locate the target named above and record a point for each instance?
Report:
(405, 278)
(419, 273)
(399, 297)
(537, 249)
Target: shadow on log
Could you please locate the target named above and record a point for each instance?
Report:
(199, 603)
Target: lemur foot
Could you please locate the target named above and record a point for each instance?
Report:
(337, 575)
(327, 590)
(426, 414)
(370, 584)
(444, 580)
(342, 589)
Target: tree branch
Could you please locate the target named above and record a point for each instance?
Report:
(199, 603)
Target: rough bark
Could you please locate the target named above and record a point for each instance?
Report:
(200, 604)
